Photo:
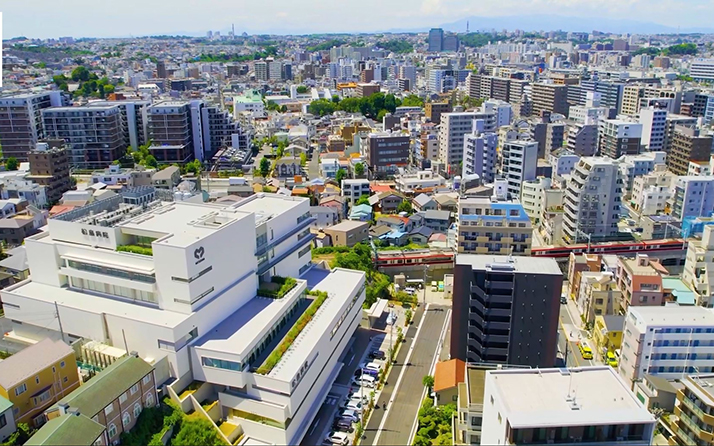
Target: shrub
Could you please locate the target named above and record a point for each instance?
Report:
(286, 284)
(153, 423)
(274, 358)
(331, 249)
(197, 431)
(134, 249)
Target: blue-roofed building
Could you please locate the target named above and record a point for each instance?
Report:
(395, 238)
(362, 212)
(676, 290)
(488, 225)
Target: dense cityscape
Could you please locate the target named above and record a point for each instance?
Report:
(440, 237)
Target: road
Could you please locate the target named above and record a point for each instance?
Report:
(570, 334)
(313, 166)
(405, 400)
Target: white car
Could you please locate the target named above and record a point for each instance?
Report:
(354, 405)
(350, 415)
(356, 397)
(364, 380)
(373, 366)
(339, 438)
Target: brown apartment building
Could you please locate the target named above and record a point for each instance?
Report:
(365, 89)
(434, 110)
(114, 398)
(550, 98)
(687, 145)
(49, 166)
(348, 233)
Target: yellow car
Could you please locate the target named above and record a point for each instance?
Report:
(611, 359)
(585, 351)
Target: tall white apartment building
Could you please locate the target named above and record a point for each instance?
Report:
(519, 160)
(670, 342)
(693, 197)
(353, 189)
(177, 283)
(633, 166)
(652, 192)
(502, 110)
(480, 153)
(533, 197)
(654, 127)
(698, 271)
(591, 405)
(702, 70)
(453, 128)
(592, 199)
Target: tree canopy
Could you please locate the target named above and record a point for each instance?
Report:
(413, 101)
(475, 40)
(681, 49)
(301, 89)
(370, 106)
(359, 169)
(396, 46)
(434, 424)
(197, 431)
(11, 163)
(340, 175)
(364, 199)
(264, 167)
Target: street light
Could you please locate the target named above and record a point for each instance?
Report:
(426, 267)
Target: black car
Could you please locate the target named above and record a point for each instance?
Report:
(358, 373)
(343, 425)
(377, 354)
(563, 300)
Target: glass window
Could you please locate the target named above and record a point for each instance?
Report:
(122, 398)
(137, 410)
(150, 400)
(125, 419)
(112, 430)
(107, 410)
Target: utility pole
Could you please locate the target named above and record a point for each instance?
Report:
(59, 320)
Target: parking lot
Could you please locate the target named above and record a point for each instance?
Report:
(356, 355)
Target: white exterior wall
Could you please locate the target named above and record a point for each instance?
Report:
(493, 427)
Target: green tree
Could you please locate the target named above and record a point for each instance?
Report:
(405, 206)
(359, 169)
(80, 73)
(335, 99)
(303, 159)
(264, 167)
(197, 432)
(364, 199)
(150, 161)
(272, 106)
(428, 381)
(340, 175)
(194, 167)
(11, 163)
(301, 89)
(413, 101)
(321, 107)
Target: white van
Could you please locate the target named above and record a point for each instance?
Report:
(373, 366)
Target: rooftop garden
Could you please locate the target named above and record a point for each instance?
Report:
(277, 288)
(274, 358)
(136, 249)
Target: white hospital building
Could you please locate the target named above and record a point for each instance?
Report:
(177, 282)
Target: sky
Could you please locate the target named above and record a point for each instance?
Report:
(83, 18)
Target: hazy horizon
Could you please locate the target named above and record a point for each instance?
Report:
(81, 18)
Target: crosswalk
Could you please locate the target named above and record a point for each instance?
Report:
(331, 400)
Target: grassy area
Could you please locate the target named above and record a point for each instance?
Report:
(189, 390)
(135, 249)
(277, 288)
(405, 247)
(274, 358)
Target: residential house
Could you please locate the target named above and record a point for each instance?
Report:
(420, 235)
(71, 429)
(438, 221)
(607, 332)
(322, 240)
(37, 377)
(640, 282)
(324, 216)
(287, 166)
(395, 223)
(114, 398)
(15, 229)
(348, 233)
(423, 202)
(447, 377)
(15, 264)
(167, 178)
(387, 202)
(657, 393)
(447, 202)
(362, 212)
(7, 420)
(335, 202)
(329, 167)
(295, 150)
(379, 230)
(394, 238)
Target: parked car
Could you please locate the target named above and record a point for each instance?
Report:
(563, 299)
(364, 380)
(585, 350)
(377, 354)
(343, 425)
(434, 285)
(373, 366)
(339, 438)
(350, 415)
(354, 405)
(364, 399)
(611, 359)
(358, 373)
